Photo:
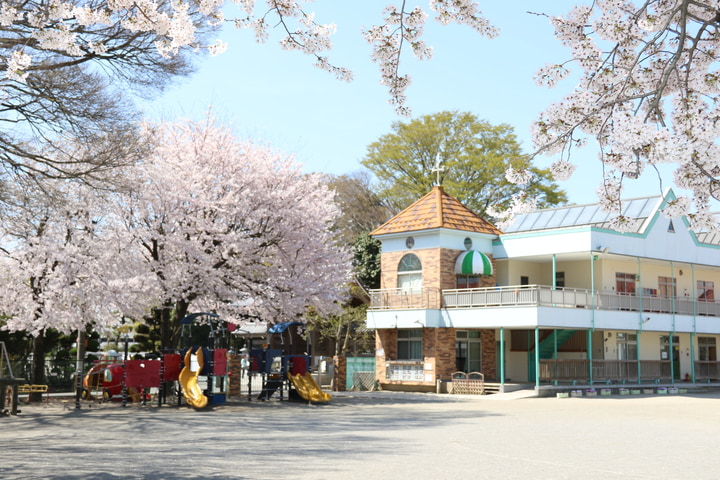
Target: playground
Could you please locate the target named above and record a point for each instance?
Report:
(370, 435)
(197, 375)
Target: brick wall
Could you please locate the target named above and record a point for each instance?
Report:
(438, 268)
(489, 354)
(385, 340)
(340, 373)
(439, 343)
(234, 372)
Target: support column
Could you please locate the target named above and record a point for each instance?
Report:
(589, 353)
(637, 354)
(672, 356)
(692, 357)
(502, 357)
(537, 357)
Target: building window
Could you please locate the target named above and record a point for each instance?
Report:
(524, 280)
(410, 344)
(625, 283)
(626, 346)
(410, 273)
(707, 351)
(559, 279)
(666, 287)
(706, 291)
(467, 281)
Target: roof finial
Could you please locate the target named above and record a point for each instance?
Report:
(438, 160)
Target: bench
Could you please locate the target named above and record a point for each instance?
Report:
(28, 389)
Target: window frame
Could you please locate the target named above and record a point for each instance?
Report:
(409, 343)
(409, 273)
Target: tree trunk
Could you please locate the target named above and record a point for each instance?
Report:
(178, 313)
(38, 365)
(169, 317)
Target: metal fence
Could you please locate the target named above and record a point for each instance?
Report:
(619, 371)
(539, 295)
(360, 373)
(401, 298)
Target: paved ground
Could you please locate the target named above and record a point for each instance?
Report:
(372, 436)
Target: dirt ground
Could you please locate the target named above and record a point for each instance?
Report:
(380, 435)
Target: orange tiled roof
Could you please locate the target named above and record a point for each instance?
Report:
(436, 209)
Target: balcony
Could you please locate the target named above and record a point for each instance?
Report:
(404, 299)
(536, 296)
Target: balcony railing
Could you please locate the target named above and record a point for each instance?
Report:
(537, 295)
(402, 298)
(707, 370)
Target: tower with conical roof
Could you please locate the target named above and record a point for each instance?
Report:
(435, 244)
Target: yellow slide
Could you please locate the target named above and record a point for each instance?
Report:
(189, 381)
(308, 389)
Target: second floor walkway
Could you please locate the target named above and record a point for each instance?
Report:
(538, 296)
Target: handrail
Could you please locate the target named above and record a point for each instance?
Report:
(404, 298)
(538, 296)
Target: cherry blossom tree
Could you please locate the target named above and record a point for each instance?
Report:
(59, 269)
(648, 94)
(232, 227)
(137, 40)
(69, 71)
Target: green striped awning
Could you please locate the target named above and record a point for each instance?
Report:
(473, 262)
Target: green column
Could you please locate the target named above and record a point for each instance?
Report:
(639, 293)
(692, 357)
(537, 357)
(592, 289)
(637, 354)
(589, 353)
(672, 359)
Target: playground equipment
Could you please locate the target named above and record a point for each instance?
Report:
(278, 367)
(129, 380)
(189, 380)
(211, 363)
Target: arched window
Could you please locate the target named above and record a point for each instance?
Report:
(410, 272)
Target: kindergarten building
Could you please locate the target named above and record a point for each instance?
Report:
(558, 298)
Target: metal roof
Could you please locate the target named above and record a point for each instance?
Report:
(582, 215)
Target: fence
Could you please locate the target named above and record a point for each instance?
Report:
(605, 370)
(472, 383)
(401, 298)
(360, 373)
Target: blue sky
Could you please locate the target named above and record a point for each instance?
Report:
(278, 97)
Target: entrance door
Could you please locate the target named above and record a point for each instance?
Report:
(468, 351)
(665, 353)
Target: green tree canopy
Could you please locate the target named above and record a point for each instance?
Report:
(474, 156)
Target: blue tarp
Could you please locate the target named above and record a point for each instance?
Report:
(281, 327)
